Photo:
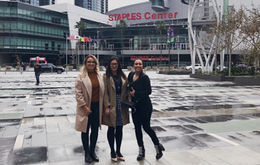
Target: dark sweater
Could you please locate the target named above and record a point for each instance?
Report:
(37, 68)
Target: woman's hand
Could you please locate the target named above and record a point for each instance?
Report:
(87, 111)
(107, 111)
(132, 92)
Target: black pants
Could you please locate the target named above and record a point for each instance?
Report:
(93, 123)
(37, 75)
(142, 117)
(112, 134)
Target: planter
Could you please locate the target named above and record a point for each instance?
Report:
(208, 77)
(246, 80)
(129, 68)
(17, 68)
(175, 72)
(70, 68)
(8, 68)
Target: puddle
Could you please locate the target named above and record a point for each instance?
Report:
(57, 108)
(205, 138)
(234, 138)
(182, 143)
(158, 129)
(210, 107)
(179, 128)
(29, 155)
(78, 150)
(256, 133)
(192, 127)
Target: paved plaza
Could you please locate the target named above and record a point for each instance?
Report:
(198, 122)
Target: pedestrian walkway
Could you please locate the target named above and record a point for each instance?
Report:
(198, 122)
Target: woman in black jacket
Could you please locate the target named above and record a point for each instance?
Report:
(140, 87)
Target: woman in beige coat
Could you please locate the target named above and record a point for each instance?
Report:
(89, 90)
(115, 115)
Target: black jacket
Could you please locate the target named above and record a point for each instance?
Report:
(142, 87)
(37, 68)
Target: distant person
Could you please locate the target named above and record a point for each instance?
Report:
(89, 90)
(115, 115)
(23, 66)
(37, 71)
(139, 84)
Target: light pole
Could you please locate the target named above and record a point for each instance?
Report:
(98, 46)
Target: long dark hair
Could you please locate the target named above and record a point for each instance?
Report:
(120, 73)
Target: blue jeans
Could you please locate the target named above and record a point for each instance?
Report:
(37, 75)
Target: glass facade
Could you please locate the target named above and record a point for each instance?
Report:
(100, 6)
(157, 2)
(139, 37)
(28, 29)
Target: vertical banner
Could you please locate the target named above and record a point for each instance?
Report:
(168, 35)
(178, 47)
(226, 11)
(172, 34)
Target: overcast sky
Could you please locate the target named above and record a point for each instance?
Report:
(113, 4)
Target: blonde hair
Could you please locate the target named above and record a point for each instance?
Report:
(85, 69)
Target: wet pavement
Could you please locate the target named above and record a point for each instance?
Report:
(198, 122)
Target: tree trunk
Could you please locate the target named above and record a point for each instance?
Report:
(229, 66)
(161, 47)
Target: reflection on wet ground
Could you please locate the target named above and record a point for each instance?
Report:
(29, 155)
(37, 122)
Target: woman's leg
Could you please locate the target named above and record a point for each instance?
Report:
(94, 126)
(138, 131)
(85, 139)
(111, 140)
(119, 137)
(146, 118)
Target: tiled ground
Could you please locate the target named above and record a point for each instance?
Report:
(198, 122)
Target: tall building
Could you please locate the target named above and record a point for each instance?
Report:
(32, 2)
(100, 6)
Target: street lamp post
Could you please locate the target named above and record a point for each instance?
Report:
(97, 46)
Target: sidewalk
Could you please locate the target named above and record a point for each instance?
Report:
(198, 122)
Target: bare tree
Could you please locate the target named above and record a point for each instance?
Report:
(231, 29)
(251, 29)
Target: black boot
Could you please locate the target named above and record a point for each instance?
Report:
(88, 159)
(94, 157)
(159, 148)
(141, 154)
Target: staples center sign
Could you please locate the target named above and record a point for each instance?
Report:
(147, 58)
(139, 16)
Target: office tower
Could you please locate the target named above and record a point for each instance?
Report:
(100, 6)
(32, 2)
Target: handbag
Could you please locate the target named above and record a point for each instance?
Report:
(129, 105)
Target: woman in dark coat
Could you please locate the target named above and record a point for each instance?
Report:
(115, 115)
(140, 87)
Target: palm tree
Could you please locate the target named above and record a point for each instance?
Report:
(122, 24)
(161, 26)
(81, 26)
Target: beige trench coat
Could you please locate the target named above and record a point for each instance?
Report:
(83, 91)
(110, 101)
